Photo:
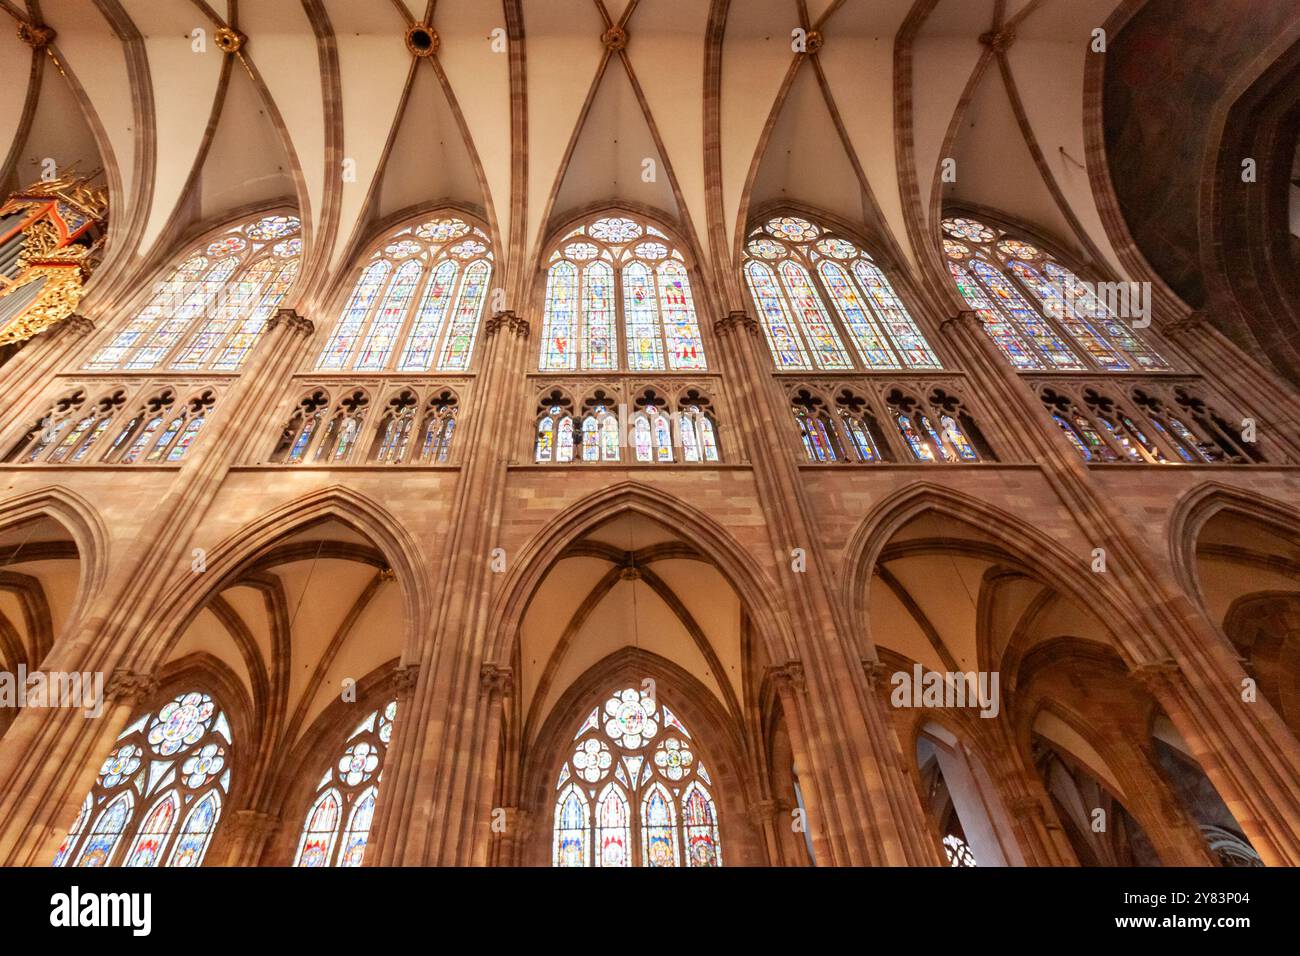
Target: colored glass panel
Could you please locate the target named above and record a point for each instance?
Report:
(417, 354)
(339, 347)
(598, 337)
(681, 328)
(380, 338)
(559, 321)
(857, 319)
(459, 347)
(1026, 318)
(641, 318)
(1061, 304)
(782, 337)
(903, 331)
(824, 342)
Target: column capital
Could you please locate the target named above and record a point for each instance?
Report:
(732, 320)
(789, 676)
(963, 319)
(764, 811)
(75, 325)
(1193, 322)
(496, 680)
(405, 678)
(507, 319)
(132, 686)
(292, 320)
(1155, 676)
(875, 670)
(1025, 805)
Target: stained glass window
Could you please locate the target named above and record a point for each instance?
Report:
(158, 796)
(1040, 314)
(634, 791)
(211, 309)
(794, 268)
(417, 302)
(608, 282)
(958, 851)
(337, 825)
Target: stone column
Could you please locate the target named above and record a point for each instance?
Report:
(247, 836)
(34, 834)
(861, 809)
(440, 807)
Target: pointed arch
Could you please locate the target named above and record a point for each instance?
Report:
(1022, 543)
(1198, 506)
(713, 541)
(82, 521)
(244, 548)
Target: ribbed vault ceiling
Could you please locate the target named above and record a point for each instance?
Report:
(525, 116)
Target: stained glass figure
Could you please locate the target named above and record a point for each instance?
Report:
(349, 789)
(1040, 314)
(621, 803)
(417, 303)
(815, 267)
(605, 285)
(214, 305)
(164, 785)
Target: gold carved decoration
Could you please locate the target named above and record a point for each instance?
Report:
(57, 300)
(229, 41)
(36, 35)
(59, 246)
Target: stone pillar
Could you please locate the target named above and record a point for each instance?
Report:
(765, 814)
(861, 809)
(1246, 750)
(38, 822)
(247, 836)
(435, 778)
(496, 685)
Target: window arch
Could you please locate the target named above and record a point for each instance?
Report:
(794, 268)
(214, 305)
(633, 791)
(417, 304)
(849, 429)
(1040, 314)
(74, 431)
(654, 430)
(164, 785)
(337, 827)
(618, 296)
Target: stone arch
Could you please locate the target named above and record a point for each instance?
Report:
(243, 548)
(81, 520)
(1021, 544)
(1237, 556)
(1197, 507)
(704, 533)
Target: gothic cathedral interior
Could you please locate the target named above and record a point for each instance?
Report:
(589, 433)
